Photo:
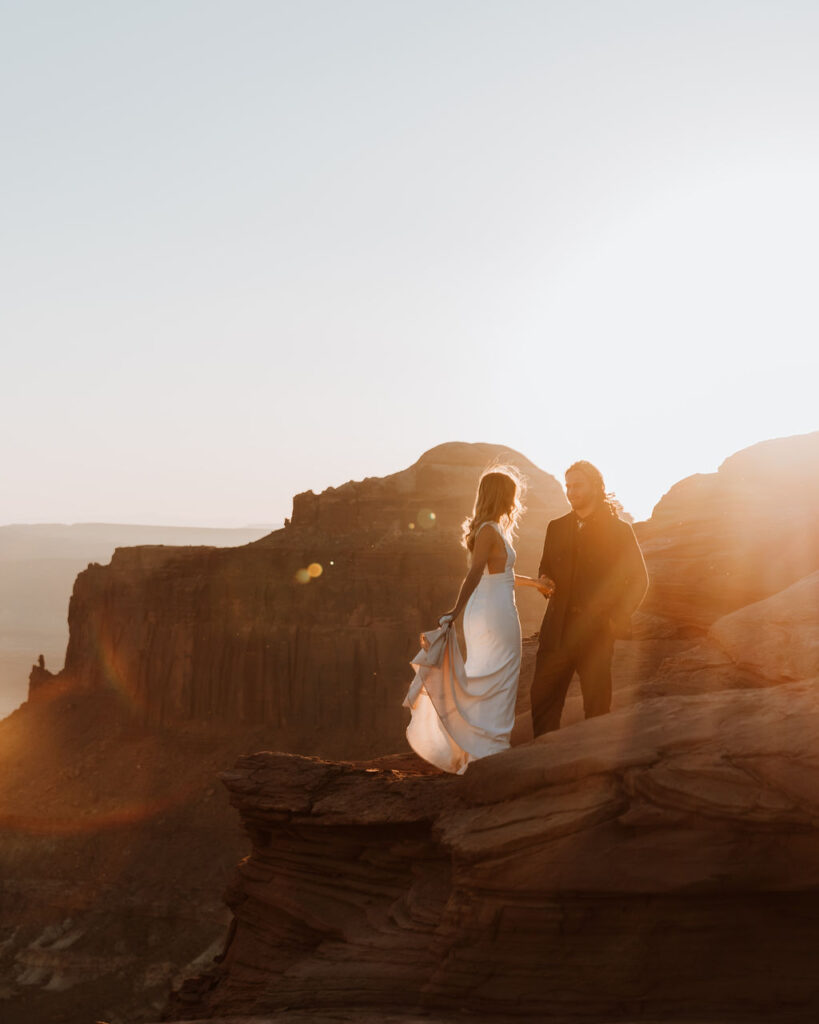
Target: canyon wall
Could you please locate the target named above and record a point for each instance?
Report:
(719, 541)
(246, 635)
(181, 659)
(231, 635)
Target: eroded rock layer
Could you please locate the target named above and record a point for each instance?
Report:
(663, 860)
(719, 541)
(635, 870)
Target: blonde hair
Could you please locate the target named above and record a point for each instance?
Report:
(499, 499)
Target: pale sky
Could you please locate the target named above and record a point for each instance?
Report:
(252, 247)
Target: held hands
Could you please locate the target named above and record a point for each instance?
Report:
(545, 585)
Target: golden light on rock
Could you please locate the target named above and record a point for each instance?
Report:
(314, 570)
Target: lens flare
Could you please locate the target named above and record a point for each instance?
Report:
(302, 576)
(131, 814)
(314, 570)
(115, 669)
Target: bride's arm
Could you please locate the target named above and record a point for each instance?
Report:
(480, 556)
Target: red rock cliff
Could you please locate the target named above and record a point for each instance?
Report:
(230, 635)
(718, 541)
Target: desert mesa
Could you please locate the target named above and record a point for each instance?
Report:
(659, 860)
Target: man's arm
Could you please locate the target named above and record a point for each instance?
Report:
(545, 567)
(634, 575)
(545, 583)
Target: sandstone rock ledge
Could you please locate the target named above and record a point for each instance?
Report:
(660, 863)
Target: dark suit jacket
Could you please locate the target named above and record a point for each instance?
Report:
(616, 578)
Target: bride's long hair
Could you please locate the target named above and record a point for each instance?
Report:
(499, 499)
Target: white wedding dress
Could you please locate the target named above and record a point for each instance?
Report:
(468, 711)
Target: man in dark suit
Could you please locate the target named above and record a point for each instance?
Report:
(595, 569)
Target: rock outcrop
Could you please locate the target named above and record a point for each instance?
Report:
(659, 863)
(642, 865)
(778, 637)
(719, 541)
(767, 643)
(39, 678)
(310, 629)
(38, 565)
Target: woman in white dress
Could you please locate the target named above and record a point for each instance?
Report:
(474, 712)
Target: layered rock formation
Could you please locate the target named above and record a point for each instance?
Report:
(719, 541)
(659, 863)
(382, 878)
(766, 643)
(38, 566)
(779, 637)
(247, 635)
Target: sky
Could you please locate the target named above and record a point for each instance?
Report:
(251, 248)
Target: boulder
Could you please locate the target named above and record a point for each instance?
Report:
(766, 643)
(778, 637)
(718, 541)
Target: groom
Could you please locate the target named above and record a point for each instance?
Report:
(597, 575)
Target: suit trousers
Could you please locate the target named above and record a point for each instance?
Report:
(589, 656)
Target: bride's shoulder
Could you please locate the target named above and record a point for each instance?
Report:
(489, 538)
(489, 522)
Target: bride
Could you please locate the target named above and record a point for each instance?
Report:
(470, 711)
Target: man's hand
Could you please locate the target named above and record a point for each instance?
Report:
(545, 586)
